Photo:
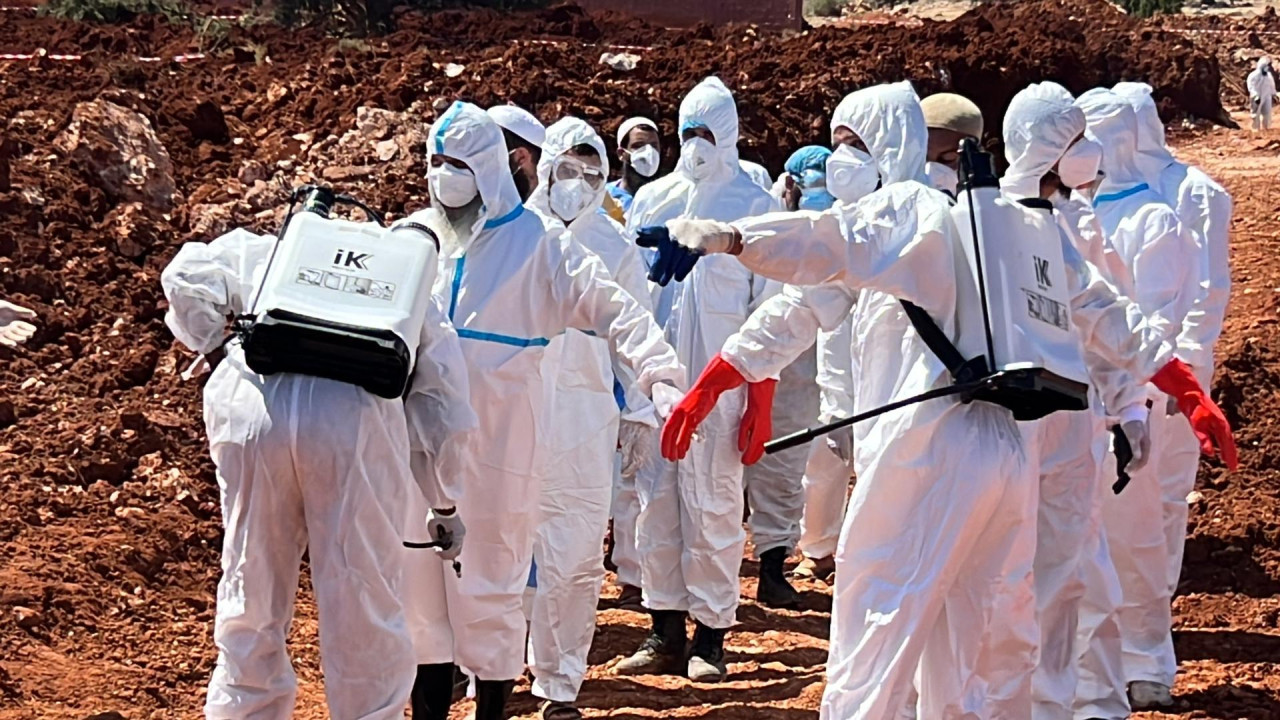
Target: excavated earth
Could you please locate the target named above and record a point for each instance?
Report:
(109, 522)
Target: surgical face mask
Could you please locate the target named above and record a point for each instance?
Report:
(816, 199)
(851, 174)
(1079, 165)
(451, 186)
(813, 191)
(698, 158)
(644, 160)
(570, 198)
(942, 177)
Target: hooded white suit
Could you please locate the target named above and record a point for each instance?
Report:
(310, 464)
(938, 567)
(1261, 83)
(690, 533)
(1161, 269)
(1204, 207)
(577, 484)
(1039, 126)
(934, 561)
(521, 281)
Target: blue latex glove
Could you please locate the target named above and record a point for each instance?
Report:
(673, 262)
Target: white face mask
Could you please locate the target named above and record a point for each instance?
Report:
(942, 177)
(1079, 165)
(698, 158)
(851, 174)
(570, 198)
(644, 160)
(450, 186)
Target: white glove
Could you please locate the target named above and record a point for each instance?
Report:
(665, 397)
(637, 441)
(447, 528)
(13, 330)
(840, 441)
(1138, 434)
(704, 236)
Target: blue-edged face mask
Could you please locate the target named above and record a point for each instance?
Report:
(813, 191)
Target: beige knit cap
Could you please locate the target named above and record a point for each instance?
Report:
(952, 112)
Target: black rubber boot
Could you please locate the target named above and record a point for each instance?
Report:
(662, 653)
(432, 692)
(774, 590)
(706, 659)
(491, 698)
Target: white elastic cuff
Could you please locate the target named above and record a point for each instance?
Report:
(1134, 412)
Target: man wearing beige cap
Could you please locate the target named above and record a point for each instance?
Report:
(950, 119)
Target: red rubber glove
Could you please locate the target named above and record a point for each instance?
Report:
(1207, 420)
(717, 378)
(757, 421)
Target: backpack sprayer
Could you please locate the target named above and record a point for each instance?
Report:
(1015, 344)
(343, 300)
(340, 299)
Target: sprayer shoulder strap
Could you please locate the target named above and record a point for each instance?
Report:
(936, 340)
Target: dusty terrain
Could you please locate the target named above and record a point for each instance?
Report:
(108, 514)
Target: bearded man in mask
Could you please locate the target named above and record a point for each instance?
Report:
(640, 152)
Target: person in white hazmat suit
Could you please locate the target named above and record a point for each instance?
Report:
(939, 568)
(309, 464)
(1048, 156)
(1261, 84)
(690, 535)
(934, 556)
(511, 280)
(577, 485)
(1204, 208)
(1160, 269)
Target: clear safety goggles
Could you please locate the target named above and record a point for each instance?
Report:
(571, 168)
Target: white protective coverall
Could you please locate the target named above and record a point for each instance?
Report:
(1039, 126)
(1262, 93)
(1204, 207)
(521, 281)
(690, 533)
(577, 484)
(311, 464)
(826, 477)
(932, 566)
(934, 560)
(1160, 270)
(774, 484)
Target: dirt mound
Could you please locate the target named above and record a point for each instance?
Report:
(1237, 43)
(109, 514)
(786, 84)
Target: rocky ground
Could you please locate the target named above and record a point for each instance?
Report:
(108, 513)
